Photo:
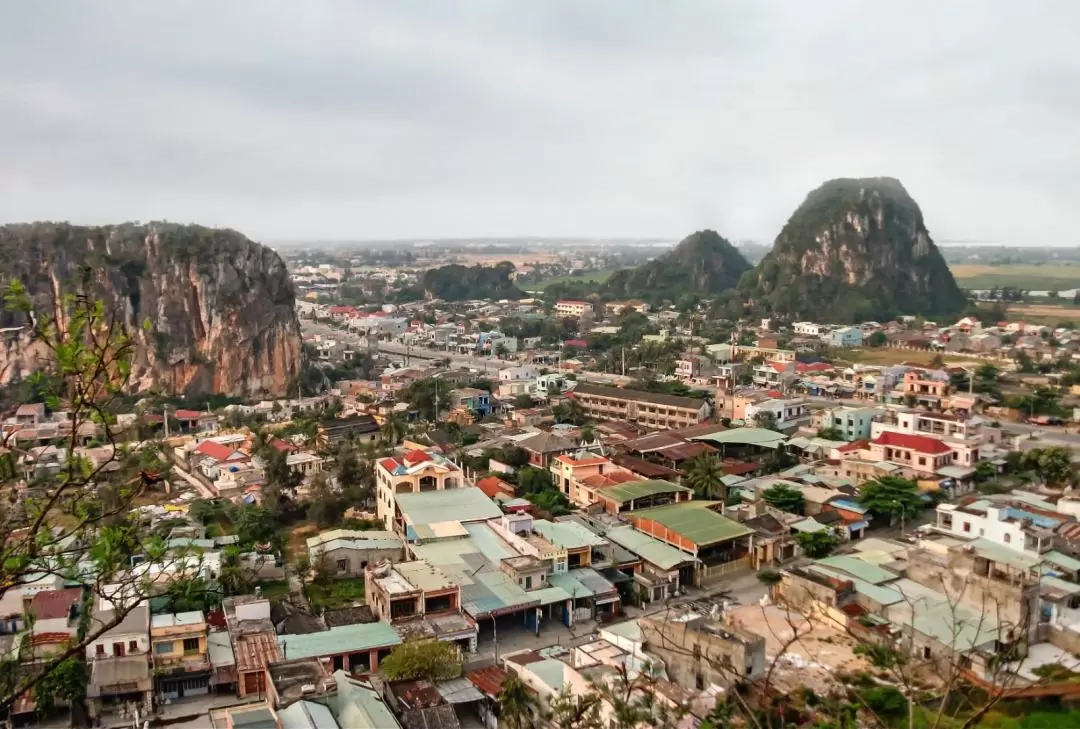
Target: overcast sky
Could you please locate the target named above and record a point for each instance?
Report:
(452, 118)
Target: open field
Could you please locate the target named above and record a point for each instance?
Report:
(1029, 277)
(586, 277)
(518, 259)
(1043, 313)
(885, 356)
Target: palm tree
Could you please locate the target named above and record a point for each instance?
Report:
(517, 707)
(705, 476)
(393, 429)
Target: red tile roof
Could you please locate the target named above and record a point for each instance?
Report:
(855, 445)
(778, 366)
(215, 450)
(417, 456)
(920, 443)
(579, 343)
(587, 461)
(189, 414)
(283, 446)
(389, 464)
(603, 480)
(52, 604)
(493, 485)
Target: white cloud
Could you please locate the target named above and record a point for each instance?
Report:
(348, 119)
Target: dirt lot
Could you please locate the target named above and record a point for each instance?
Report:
(813, 660)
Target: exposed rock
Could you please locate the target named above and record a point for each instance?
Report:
(220, 307)
(462, 283)
(703, 263)
(855, 250)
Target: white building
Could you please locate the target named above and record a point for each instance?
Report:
(998, 523)
(807, 328)
(572, 309)
(787, 413)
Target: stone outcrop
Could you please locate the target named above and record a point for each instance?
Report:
(210, 311)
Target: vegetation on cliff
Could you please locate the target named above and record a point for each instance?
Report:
(193, 299)
(704, 263)
(856, 249)
(461, 283)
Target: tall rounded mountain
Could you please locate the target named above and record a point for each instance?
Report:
(703, 263)
(855, 250)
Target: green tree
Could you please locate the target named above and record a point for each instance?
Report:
(817, 545)
(524, 401)
(66, 682)
(434, 660)
(831, 432)
(393, 429)
(890, 496)
(785, 498)
(325, 507)
(1052, 464)
(985, 470)
(705, 476)
(518, 708)
(877, 339)
(765, 419)
(78, 520)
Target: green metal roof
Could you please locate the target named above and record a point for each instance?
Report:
(430, 507)
(649, 549)
(549, 595)
(570, 584)
(341, 639)
(1062, 560)
(637, 489)
(858, 568)
(693, 521)
(567, 534)
(359, 706)
(810, 526)
(745, 436)
(999, 553)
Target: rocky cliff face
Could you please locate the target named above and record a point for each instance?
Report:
(855, 250)
(220, 307)
(703, 263)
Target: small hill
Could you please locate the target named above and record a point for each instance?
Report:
(704, 263)
(463, 283)
(855, 250)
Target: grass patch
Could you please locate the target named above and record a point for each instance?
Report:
(335, 594)
(886, 356)
(274, 590)
(1050, 277)
(296, 544)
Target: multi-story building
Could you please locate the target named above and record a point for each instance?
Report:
(614, 308)
(698, 651)
(964, 435)
(572, 309)
(650, 409)
(853, 423)
(997, 519)
(120, 661)
(774, 375)
(472, 399)
(845, 337)
(926, 386)
(919, 455)
(419, 599)
(181, 654)
(415, 472)
(785, 413)
(807, 328)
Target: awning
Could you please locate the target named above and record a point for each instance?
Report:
(607, 600)
(857, 526)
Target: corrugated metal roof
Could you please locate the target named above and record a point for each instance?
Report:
(694, 521)
(567, 534)
(637, 489)
(653, 551)
(858, 568)
(341, 639)
(464, 504)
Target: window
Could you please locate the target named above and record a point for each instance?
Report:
(100, 649)
(191, 645)
(922, 461)
(133, 646)
(118, 649)
(1008, 538)
(162, 648)
(967, 526)
(342, 565)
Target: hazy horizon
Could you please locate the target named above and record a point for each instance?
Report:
(420, 119)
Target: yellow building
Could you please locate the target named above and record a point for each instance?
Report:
(181, 658)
